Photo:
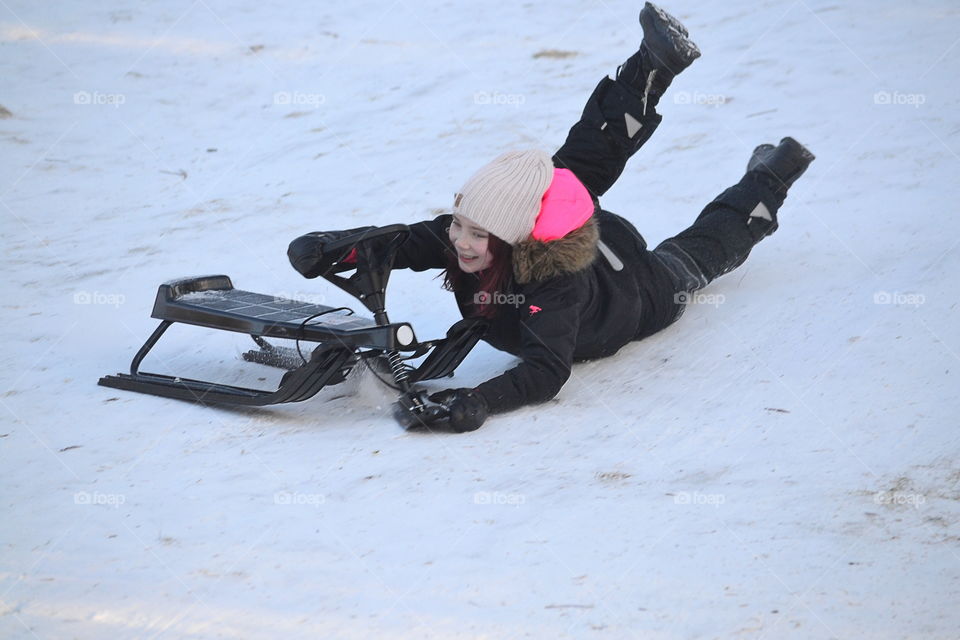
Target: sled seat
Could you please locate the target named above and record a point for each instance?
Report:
(211, 301)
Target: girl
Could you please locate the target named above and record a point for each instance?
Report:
(560, 279)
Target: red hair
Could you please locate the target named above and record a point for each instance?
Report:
(492, 280)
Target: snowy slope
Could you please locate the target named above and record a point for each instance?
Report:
(781, 463)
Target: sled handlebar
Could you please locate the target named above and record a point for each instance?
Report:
(382, 238)
(324, 252)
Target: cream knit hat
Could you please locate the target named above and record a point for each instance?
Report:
(504, 196)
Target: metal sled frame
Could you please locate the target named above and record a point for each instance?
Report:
(343, 339)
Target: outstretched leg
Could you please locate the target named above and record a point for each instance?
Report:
(620, 115)
(728, 228)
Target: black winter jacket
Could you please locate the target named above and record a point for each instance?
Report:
(577, 303)
(580, 297)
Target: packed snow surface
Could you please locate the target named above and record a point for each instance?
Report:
(780, 463)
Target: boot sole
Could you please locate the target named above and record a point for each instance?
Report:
(803, 157)
(667, 18)
(798, 158)
(667, 38)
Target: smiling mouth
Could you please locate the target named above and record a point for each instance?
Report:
(465, 258)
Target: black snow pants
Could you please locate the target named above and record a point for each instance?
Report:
(614, 125)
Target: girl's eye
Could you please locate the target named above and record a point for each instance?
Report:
(479, 236)
(454, 224)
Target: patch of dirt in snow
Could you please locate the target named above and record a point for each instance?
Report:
(555, 53)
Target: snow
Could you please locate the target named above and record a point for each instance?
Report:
(781, 463)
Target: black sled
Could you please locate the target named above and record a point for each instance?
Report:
(341, 338)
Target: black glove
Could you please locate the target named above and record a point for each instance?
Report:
(306, 253)
(467, 408)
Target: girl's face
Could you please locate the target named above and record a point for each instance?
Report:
(471, 242)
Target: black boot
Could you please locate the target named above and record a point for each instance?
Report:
(773, 169)
(664, 53)
(780, 166)
(667, 39)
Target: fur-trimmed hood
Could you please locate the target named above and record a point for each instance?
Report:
(535, 260)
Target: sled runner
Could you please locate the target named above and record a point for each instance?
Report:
(341, 338)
